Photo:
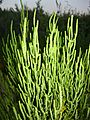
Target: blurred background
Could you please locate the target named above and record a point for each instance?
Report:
(50, 5)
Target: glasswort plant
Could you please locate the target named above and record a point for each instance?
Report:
(54, 88)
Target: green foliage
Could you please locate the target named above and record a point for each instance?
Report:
(55, 86)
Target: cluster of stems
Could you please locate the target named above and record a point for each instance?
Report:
(51, 87)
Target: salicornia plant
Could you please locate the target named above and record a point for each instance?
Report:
(55, 87)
